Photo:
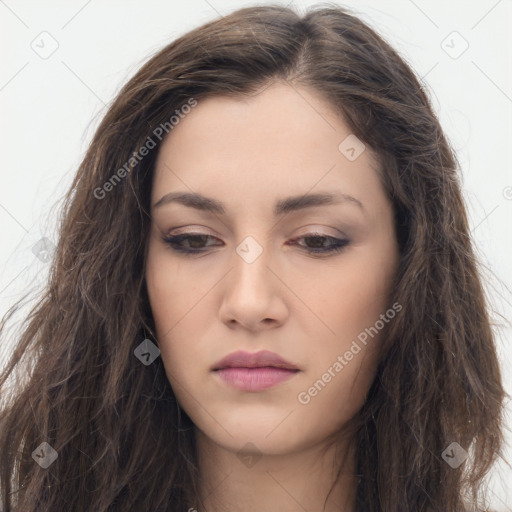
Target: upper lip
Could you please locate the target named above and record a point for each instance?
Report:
(241, 359)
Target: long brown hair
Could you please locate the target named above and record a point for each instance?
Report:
(121, 439)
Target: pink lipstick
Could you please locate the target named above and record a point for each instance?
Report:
(254, 372)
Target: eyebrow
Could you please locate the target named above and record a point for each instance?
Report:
(282, 206)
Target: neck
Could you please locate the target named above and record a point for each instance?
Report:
(291, 482)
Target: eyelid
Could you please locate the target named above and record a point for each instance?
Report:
(308, 231)
(194, 230)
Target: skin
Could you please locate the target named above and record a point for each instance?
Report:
(308, 308)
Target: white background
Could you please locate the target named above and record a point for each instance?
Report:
(51, 106)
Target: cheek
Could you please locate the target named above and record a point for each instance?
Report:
(357, 292)
(160, 281)
(341, 374)
(178, 305)
(171, 290)
(334, 397)
(353, 306)
(164, 287)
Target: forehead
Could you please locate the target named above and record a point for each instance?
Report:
(282, 141)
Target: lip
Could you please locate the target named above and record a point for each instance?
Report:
(254, 379)
(254, 371)
(264, 358)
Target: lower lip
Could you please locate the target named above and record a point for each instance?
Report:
(255, 379)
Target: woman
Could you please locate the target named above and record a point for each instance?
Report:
(264, 296)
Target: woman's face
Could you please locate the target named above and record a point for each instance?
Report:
(255, 282)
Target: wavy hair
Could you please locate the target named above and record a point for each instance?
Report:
(122, 440)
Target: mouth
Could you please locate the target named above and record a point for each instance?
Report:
(254, 371)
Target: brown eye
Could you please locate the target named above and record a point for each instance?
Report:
(322, 244)
(188, 243)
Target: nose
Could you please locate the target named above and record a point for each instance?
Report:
(253, 295)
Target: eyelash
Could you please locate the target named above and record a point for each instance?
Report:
(337, 246)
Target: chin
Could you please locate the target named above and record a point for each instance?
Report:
(270, 436)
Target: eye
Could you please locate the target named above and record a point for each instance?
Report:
(188, 243)
(318, 245)
(194, 243)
